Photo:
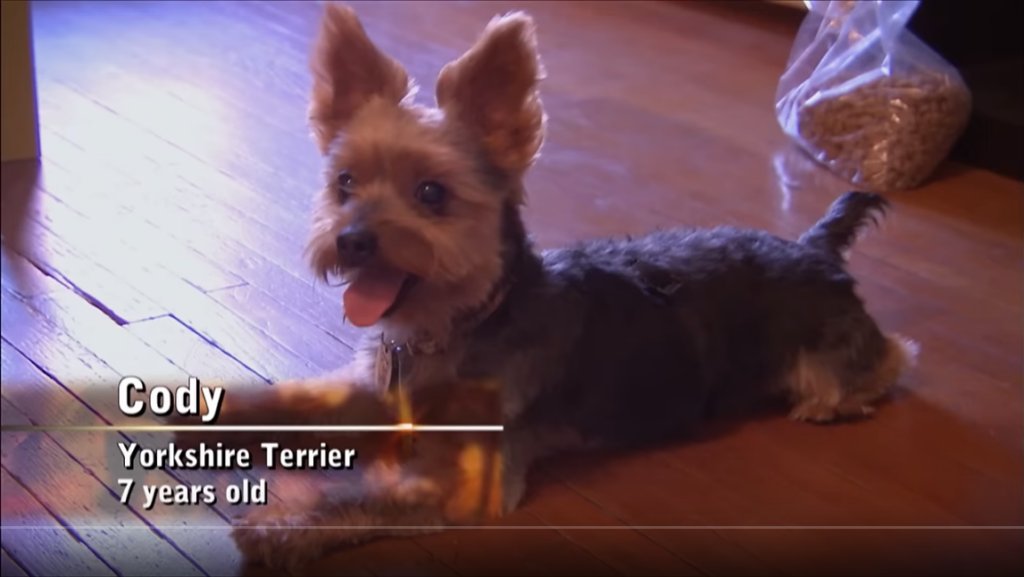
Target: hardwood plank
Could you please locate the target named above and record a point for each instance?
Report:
(992, 408)
(979, 340)
(628, 552)
(114, 531)
(194, 354)
(385, 558)
(58, 216)
(791, 472)
(38, 541)
(37, 282)
(8, 568)
(249, 242)
(66, 359)
(130, 237)
(64, 260)
(195, 530)
(76, 104)
(345, 564)
(671, 496)
(172, 209)
(178, 127)
(232, 333)
(810, 552)
(284, 326)
(879, 455)
(537, 551)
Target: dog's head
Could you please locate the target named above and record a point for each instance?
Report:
(411, 213)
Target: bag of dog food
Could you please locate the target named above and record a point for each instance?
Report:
(868, 99)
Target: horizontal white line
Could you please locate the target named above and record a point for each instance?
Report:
(406, 427)
(549, 527)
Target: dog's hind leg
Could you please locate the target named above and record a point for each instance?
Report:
(846, 379)
(867, 388)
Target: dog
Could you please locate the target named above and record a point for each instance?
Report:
(609, 344)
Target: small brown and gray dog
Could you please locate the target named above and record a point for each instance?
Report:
(608, 344)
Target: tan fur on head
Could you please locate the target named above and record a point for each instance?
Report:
(487, 131)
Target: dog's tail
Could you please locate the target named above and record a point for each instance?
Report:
(846, 219)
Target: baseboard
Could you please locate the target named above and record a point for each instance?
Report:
(19, 113)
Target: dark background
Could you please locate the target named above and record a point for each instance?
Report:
(983, 40)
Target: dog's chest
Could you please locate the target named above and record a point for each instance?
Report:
(397, 367)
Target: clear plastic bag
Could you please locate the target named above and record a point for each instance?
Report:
(868, 99)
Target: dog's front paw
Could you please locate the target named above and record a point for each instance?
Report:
(252, 406)
(280, 541)
(813, 412)
(187, 432)
(823, 413)
(299, 527)
(286, 541)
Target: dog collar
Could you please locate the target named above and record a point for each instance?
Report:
(394, 365)
(395, 361)
(393, 368)
(465, 320)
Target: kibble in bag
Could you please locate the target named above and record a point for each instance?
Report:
(868, 99)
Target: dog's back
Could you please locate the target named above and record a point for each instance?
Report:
(631, 341)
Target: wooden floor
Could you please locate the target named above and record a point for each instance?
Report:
(173, 201)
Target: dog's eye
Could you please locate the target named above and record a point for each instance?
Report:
(431, 194)
(346, 184)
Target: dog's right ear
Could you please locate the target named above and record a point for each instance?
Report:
(494, 89)
(348, 72)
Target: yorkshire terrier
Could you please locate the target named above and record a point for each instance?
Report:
(607, 344)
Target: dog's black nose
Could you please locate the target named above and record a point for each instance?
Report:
(356, 245)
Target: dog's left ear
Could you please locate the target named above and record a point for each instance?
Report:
(348, 72)
(493, 90)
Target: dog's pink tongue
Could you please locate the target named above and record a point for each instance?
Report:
(371, 294)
